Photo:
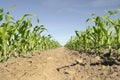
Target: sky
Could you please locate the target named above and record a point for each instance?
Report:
(60, 17)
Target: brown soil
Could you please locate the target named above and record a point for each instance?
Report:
(60, 64)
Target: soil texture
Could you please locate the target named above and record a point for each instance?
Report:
(60, 64)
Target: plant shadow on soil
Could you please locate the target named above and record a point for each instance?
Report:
(90, 66)
(105, 60)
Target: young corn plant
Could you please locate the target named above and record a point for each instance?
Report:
(101, 34)
(116, 26)
(4, 32)
(18, 38)
(104, 34)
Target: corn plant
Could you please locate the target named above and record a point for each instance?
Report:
(116, 25)
(4, 32)
(19, 37)
(99, 36)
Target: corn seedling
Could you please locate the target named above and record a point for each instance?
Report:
(19, 37)
(99, 36)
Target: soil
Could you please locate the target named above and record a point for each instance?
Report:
(60, 64)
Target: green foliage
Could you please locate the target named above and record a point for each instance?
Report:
(18, 38)
(105, 33)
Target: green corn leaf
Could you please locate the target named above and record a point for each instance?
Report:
(12, 7)
(8, 17)
(114, 12)
(1, 10)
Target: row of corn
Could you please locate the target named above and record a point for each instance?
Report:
(19, 37)
(103, 33)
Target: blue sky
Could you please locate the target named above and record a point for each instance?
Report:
(61, 17)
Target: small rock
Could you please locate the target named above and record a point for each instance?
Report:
(114, 74)
(66, 73)
(79, 60)
(97, 58)
(103, 67)
(69, 72)
(105, 72)
(50, 58)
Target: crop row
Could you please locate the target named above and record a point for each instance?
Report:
(104, 33)
(19, 37)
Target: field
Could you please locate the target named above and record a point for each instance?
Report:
(59, 64)
(27, 54)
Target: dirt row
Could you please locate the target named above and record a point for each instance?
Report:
(60, 64)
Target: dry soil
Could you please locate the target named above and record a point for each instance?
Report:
(60, 64)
